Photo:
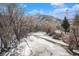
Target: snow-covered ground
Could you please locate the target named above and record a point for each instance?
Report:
(39, 44)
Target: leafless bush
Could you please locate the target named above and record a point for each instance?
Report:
(74, 37)
(47, 26)
(11, 24)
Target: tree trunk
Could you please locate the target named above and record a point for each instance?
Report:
(4, 42)
(75, 38)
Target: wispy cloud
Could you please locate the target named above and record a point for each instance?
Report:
(64, 11)
(34, 11)
(59, 10)
(76, 7)
(57, 5)
(23, 5)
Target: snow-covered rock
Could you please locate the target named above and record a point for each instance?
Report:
(58, 31)
(57, 34)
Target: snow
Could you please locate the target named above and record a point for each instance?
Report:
(36, 45)
(21, 50)
(58, 31)
(37, 33)
(46, 37)
(76, 51)
(42, 47)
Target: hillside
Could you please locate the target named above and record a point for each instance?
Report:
(42, 17)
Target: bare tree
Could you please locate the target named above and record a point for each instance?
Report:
(75, 33)
(9, 25)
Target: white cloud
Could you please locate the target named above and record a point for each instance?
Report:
(60, 5)
(23, 5)
(60, 11)
(34, 11)
(76, 7)
(65, 11)
(57, 4)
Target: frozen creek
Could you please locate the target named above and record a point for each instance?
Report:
(39, 44)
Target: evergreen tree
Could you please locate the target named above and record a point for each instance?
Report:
(65, 24)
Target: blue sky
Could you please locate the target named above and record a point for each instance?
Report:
(58, 10)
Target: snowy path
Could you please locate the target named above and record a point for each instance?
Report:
(39, 44)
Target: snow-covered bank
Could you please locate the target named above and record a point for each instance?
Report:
(38, 46)
(21, 50)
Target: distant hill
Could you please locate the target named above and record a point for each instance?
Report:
(42, 17)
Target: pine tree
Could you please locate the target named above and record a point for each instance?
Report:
(65, 24)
